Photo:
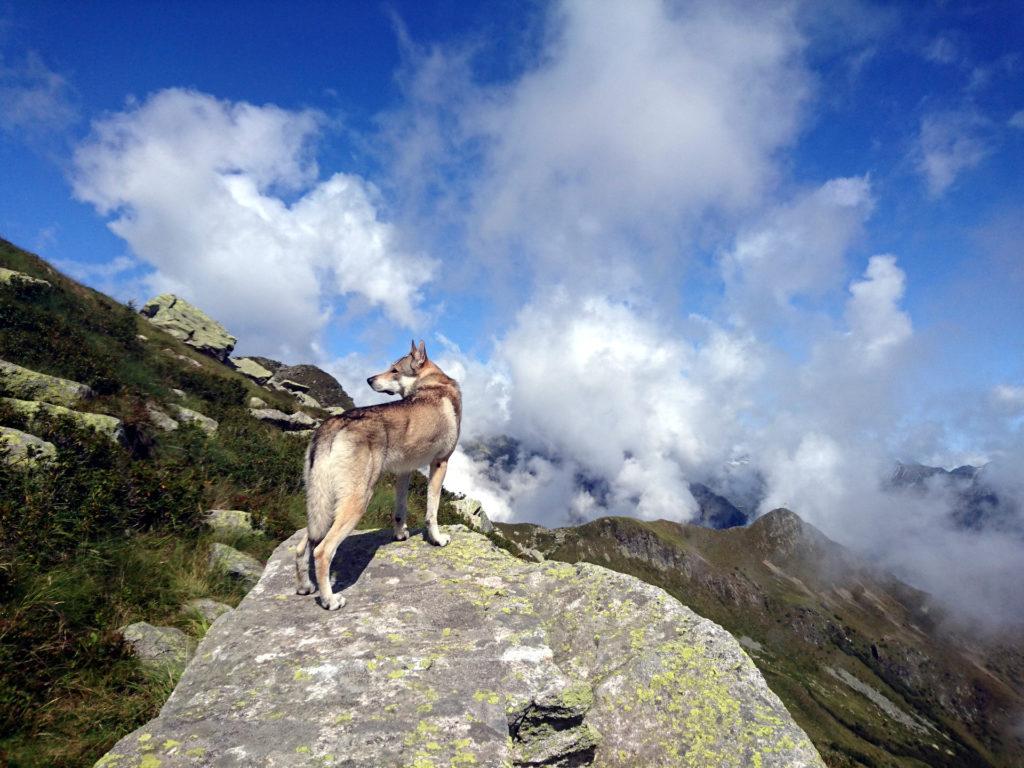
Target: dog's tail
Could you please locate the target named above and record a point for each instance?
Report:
(320, 493)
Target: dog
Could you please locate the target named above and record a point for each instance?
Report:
(348, 453)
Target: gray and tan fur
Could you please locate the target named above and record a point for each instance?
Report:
(348, 453)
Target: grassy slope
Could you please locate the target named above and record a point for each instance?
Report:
(803, 619)
(110, 535)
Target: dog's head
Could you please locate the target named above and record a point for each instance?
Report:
(401, 377)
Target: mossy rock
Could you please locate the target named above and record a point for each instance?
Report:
(109, 426)
(26, 384)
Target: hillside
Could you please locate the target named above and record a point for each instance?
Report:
(866, 664)
(107, 532)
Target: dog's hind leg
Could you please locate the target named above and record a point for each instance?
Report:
(401, 513)
(347, 516)
(437, 471)
(302, 562)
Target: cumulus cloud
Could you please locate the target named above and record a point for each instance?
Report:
(223, 200)
(948, 144)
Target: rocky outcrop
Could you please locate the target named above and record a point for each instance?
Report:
(161, 649)
(289, 422)
(23, 449)
(325, 390)
(26, 384)
(252, 369)
(466, 656)
(160, 419)
(235, 565)
(189, 324)
(472, 512)
(98, 422)
(11, 276)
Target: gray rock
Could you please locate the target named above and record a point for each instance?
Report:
(188, 416)
(160, 419)
(159, 648)
(183, 358)
(287, 385)
(285, 421)
(206, 609)
(238, 565)
(316, 382)
(257, 402)
(466, 656)
(252, 369)
(13, 276)
(26, 384)
(336, 410)
(307, 401)
(229, 521)
(25, 450)
(179, 392)
(98, 422)
(472, 512)
(189, 324)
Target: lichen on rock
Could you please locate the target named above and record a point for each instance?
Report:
(26, 384)
(110, 426)
(189, 324)
(467, 656)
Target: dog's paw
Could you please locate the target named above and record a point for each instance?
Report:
(331, 604)
(440, 540)
(402, 534)
(305, 589)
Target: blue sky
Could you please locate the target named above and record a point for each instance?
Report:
(803, 218)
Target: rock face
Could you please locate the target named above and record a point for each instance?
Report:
(159, 648)
(105, 425)
(466, 656)
(26, 384)
(190, 324)
(23, 449)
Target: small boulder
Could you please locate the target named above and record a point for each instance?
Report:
(160, 419)
(206, 609)
(287, 385)
(163, 649)
(189, 324)
(23, 449)
(336, 410)
(238, 565)
(26, 384)
(307, 401)
(287, 422)
(249, 367)
(315, 382)
(179, 392)
(188, 416)
(471, 511)
(98, 422)
(257, 402)
(229, 521)
(11, 276)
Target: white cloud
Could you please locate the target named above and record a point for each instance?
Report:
(1017, 119)
(948, 144)
(198, 188)
(877, 323)
(36, 100)
(797, 249)
(941, 50)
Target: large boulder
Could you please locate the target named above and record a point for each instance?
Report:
(239, 566)
(325, 390)
(23, 449)
(161, 649)
(472, 512)
(466, 656)
(189, 324)
(26, 384)
(109, 426)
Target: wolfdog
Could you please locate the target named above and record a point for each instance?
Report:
(348, 453)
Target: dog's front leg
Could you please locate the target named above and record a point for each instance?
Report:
(437, 470)
(401, 513)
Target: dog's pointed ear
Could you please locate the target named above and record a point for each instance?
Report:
(412, 346)
(419, 354)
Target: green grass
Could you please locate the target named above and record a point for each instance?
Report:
(107, 534)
